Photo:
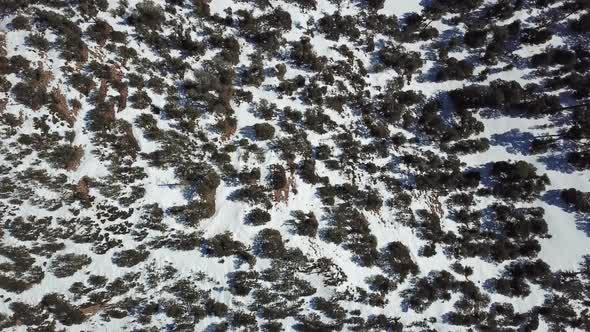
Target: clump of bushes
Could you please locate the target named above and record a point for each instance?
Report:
(254, 75)
(269, 244)
(455, 70)
(241, 319)
(65, 156)
(149, 124)
(222, 245)
(404, 62)
(305, 4)
(579, 159)
(581, 24)
(381, 284)
(520, 223)
(205, 180)
(469, 146)
(308, 171)
(348, 226)
(395, 259)
(31, 94)
(130, 257)
(147, 15)
(554, 56)
(66, 265)
(579, 200)
(315, 119)
(335, 25)
(140, 99)
(194, 211)
(517, 181)
(438, 285)
(5, 84)
(264, 131)
(38, 41)
(249, 177)
(303, 54)
(257, 217)
(277, 177)
(20, 22)
(475, 38)
(513, 281)
(100, 31)
(306, 224)
(535, 35)
(19, 273)
(83, 83)
(252, 194)
(242, 282)
(65, 312)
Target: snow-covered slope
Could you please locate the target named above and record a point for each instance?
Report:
(311, 165)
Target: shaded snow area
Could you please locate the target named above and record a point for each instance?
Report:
(294, 165)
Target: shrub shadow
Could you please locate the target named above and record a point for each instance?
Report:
(515, 141)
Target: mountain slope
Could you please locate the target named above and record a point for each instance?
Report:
(298, 165)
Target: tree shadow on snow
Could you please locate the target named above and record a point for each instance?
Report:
(583, 223)
(553, 197)
(515, 141)
(557, 162)
(485, 171)
(248, 132)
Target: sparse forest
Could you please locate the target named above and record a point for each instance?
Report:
(295, 165)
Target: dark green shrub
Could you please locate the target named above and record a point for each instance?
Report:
(195, 211)
(83, 83)
(535, 36)
(437, 285)
(64, 312)
(66, 265)
(455, 70)
(264, 131)
(140, 100)
(215, 308)
(475, 38)
(303, 54)
(100, 31)
(579, 200)
(582, 24)
(269, 244)
(306, 224)
(395, 259)
(38, 41)
(242, 282)
(222, 245)
(5, 84)
(281, 69)
(406, 63)
(130, 257)
(241, 319)
(517, 180)
(277, 177)
(253, 194)
(257, 217)
(580, 160)
(201, 8)
(30, 94)
(20, 22)
(148, 15)
(305, 4)
(254, 75)
(65, 156)
(249, 177)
